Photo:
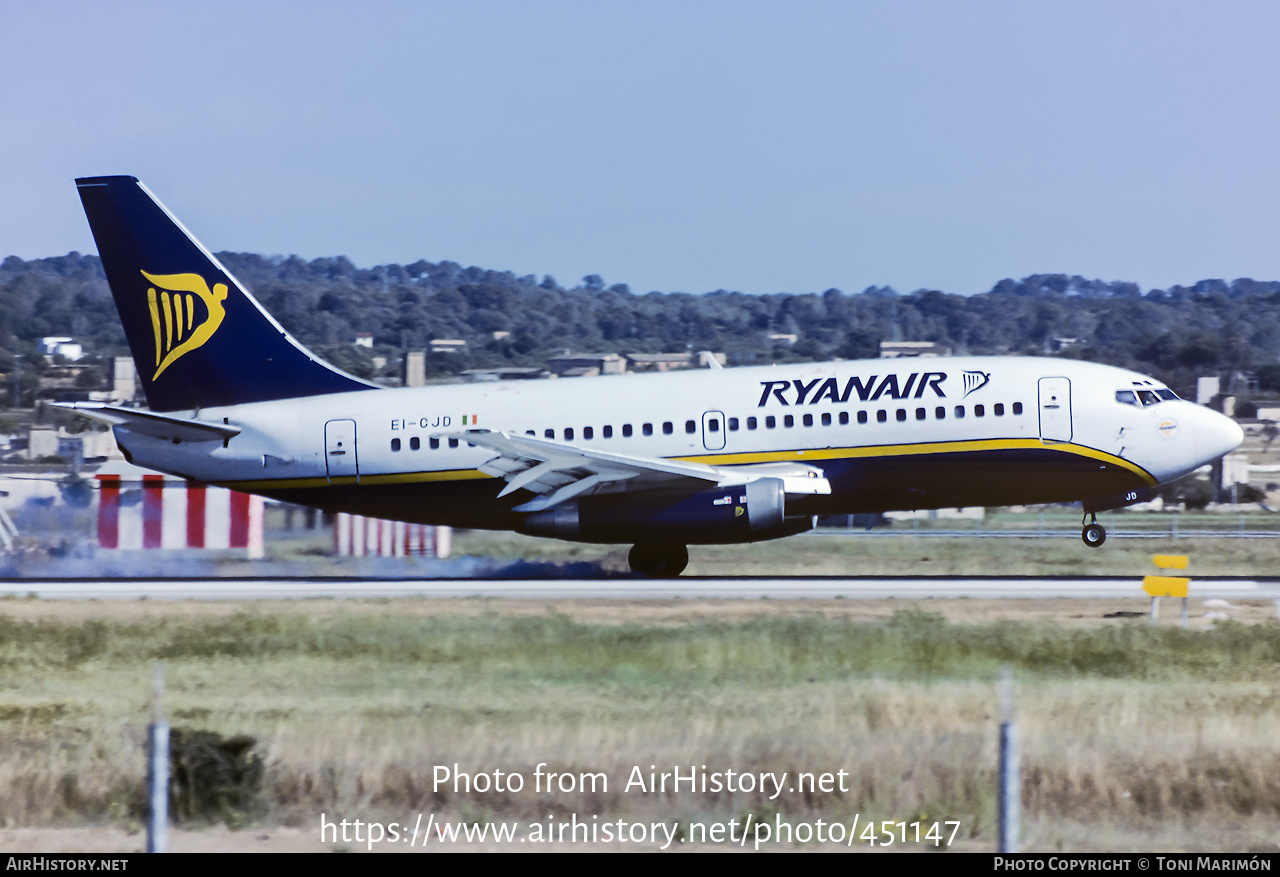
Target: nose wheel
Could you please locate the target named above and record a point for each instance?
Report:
(1093, 533)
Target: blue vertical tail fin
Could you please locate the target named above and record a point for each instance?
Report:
(198, 338)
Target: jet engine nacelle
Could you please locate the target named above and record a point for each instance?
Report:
(748, 512)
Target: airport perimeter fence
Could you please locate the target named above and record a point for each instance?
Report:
(1060, 523)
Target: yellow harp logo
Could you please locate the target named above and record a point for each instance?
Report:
(177, 329)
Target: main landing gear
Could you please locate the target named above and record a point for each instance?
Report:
(1093, 533)
(656, 560)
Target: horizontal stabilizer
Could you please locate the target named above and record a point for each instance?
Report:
(150, 423)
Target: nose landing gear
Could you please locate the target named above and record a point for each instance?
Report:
(1093, 533)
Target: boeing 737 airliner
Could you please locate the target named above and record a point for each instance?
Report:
(657, 461)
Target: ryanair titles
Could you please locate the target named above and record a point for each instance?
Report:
(868, 389)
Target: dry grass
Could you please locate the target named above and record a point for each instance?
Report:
(1132, 738)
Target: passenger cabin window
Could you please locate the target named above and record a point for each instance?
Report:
(882, 416)
(862, 417)
(647, 429)
(607, 431)
(1017, 407)
(733, 424)
(901, 415)
(415, 443)
(998, 409)
(668, 428)
(807, 420)
(751, 423)
(844, 418)
(940, 413)
(626, 430)
(788, 421)
(453, 443)
(568, 433)
(713, 425)
(550, 433)
(920, 414)
(826, 419)
(959, 412)
(979, 411)
(588, 432)
(691, 426)
(433, 443)
(770, 422)
(395, 444)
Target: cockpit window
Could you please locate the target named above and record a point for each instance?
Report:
(1143, 398)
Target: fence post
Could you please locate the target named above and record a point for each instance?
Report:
(1010, 790)
(157, 768)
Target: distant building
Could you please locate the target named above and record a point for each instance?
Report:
(582, 365)
(663, 362)
(784, 338)
(61, 345)
(42, 441)
(364, 339)
(415, 368)
(902, 349)
(479, 375)
(1206, 389)
(447, 345)
(124, 380)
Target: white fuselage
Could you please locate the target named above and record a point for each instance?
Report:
(933, 427)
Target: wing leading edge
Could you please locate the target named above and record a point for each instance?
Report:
(557, 472)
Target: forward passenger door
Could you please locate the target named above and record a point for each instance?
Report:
(1055, 410)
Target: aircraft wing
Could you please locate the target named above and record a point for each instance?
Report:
(558, 472)
(163, 426)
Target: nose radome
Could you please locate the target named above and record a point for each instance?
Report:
(1215, 435)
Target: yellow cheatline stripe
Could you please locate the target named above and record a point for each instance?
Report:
(921, 449)
(872, 451)
(395, 478)
(190, 310)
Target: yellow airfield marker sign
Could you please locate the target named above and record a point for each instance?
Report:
(1166, 585)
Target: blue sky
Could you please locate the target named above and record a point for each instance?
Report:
(689, 146)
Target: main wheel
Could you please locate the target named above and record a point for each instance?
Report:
(1093, 535)
(658, 561)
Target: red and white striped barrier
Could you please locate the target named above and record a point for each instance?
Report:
(358, 536)
(144, 511)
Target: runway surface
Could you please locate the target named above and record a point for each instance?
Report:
(625, 589)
